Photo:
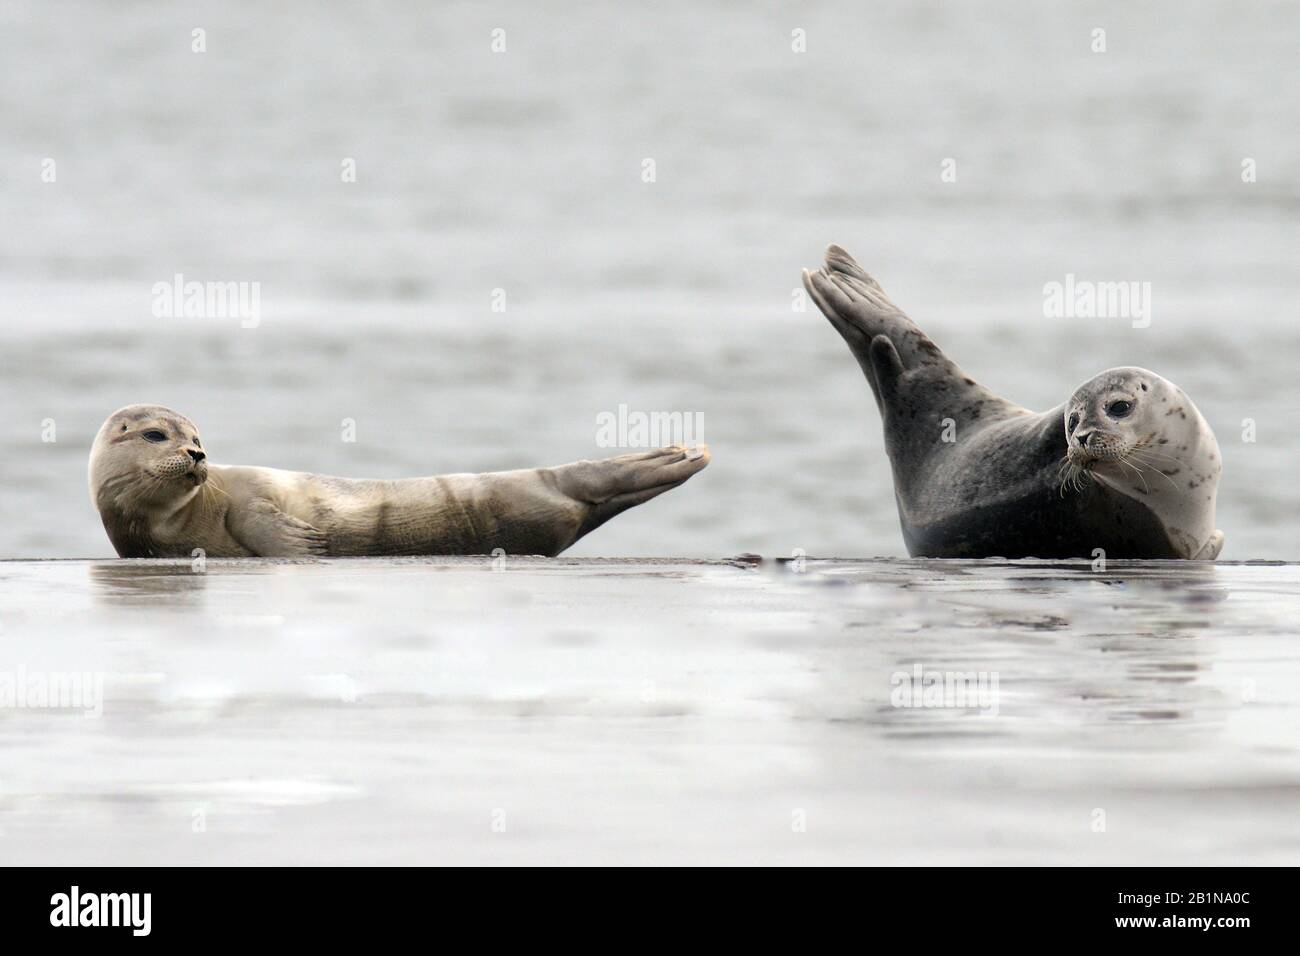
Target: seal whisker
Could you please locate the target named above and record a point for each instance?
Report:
(1147, 450)
(1071, 476)
(1137, 455)
(218, 489)
(1139, 471)
(1146, 447)
(1064, 474)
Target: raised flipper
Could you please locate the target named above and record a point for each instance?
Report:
(612, 485)
(906, 370)
(268, 532)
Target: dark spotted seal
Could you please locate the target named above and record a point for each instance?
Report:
(1126, 464)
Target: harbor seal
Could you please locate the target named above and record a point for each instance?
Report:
(1126, 465)
(160, 497)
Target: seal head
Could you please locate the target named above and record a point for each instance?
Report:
(146, 457)
(1140, 435)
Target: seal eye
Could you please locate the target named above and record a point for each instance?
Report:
(154, 435)
(1073, 423)
(1119, 409)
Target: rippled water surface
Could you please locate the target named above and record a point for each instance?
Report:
(580, 710)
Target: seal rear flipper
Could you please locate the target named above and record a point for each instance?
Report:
(610, 486)
(268, 532)
(1210, 550)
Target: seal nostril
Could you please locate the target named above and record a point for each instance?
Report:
(1082, 438)
(197, 455)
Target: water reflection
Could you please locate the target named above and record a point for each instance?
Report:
(1172, 686)
(1076, 653)
(134, 583)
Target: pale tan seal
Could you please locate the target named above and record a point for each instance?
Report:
(159, 496)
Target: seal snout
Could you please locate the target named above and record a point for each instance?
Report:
(1088, 447)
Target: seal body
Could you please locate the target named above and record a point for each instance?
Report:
(1127, 467)
(158, 496)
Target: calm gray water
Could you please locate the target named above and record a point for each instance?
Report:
(521, 171)
(576, 711)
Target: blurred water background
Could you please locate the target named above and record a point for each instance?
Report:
(522, 170)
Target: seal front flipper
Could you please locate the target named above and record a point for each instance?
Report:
(268, 532)
(887, 368)
(927, 383)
